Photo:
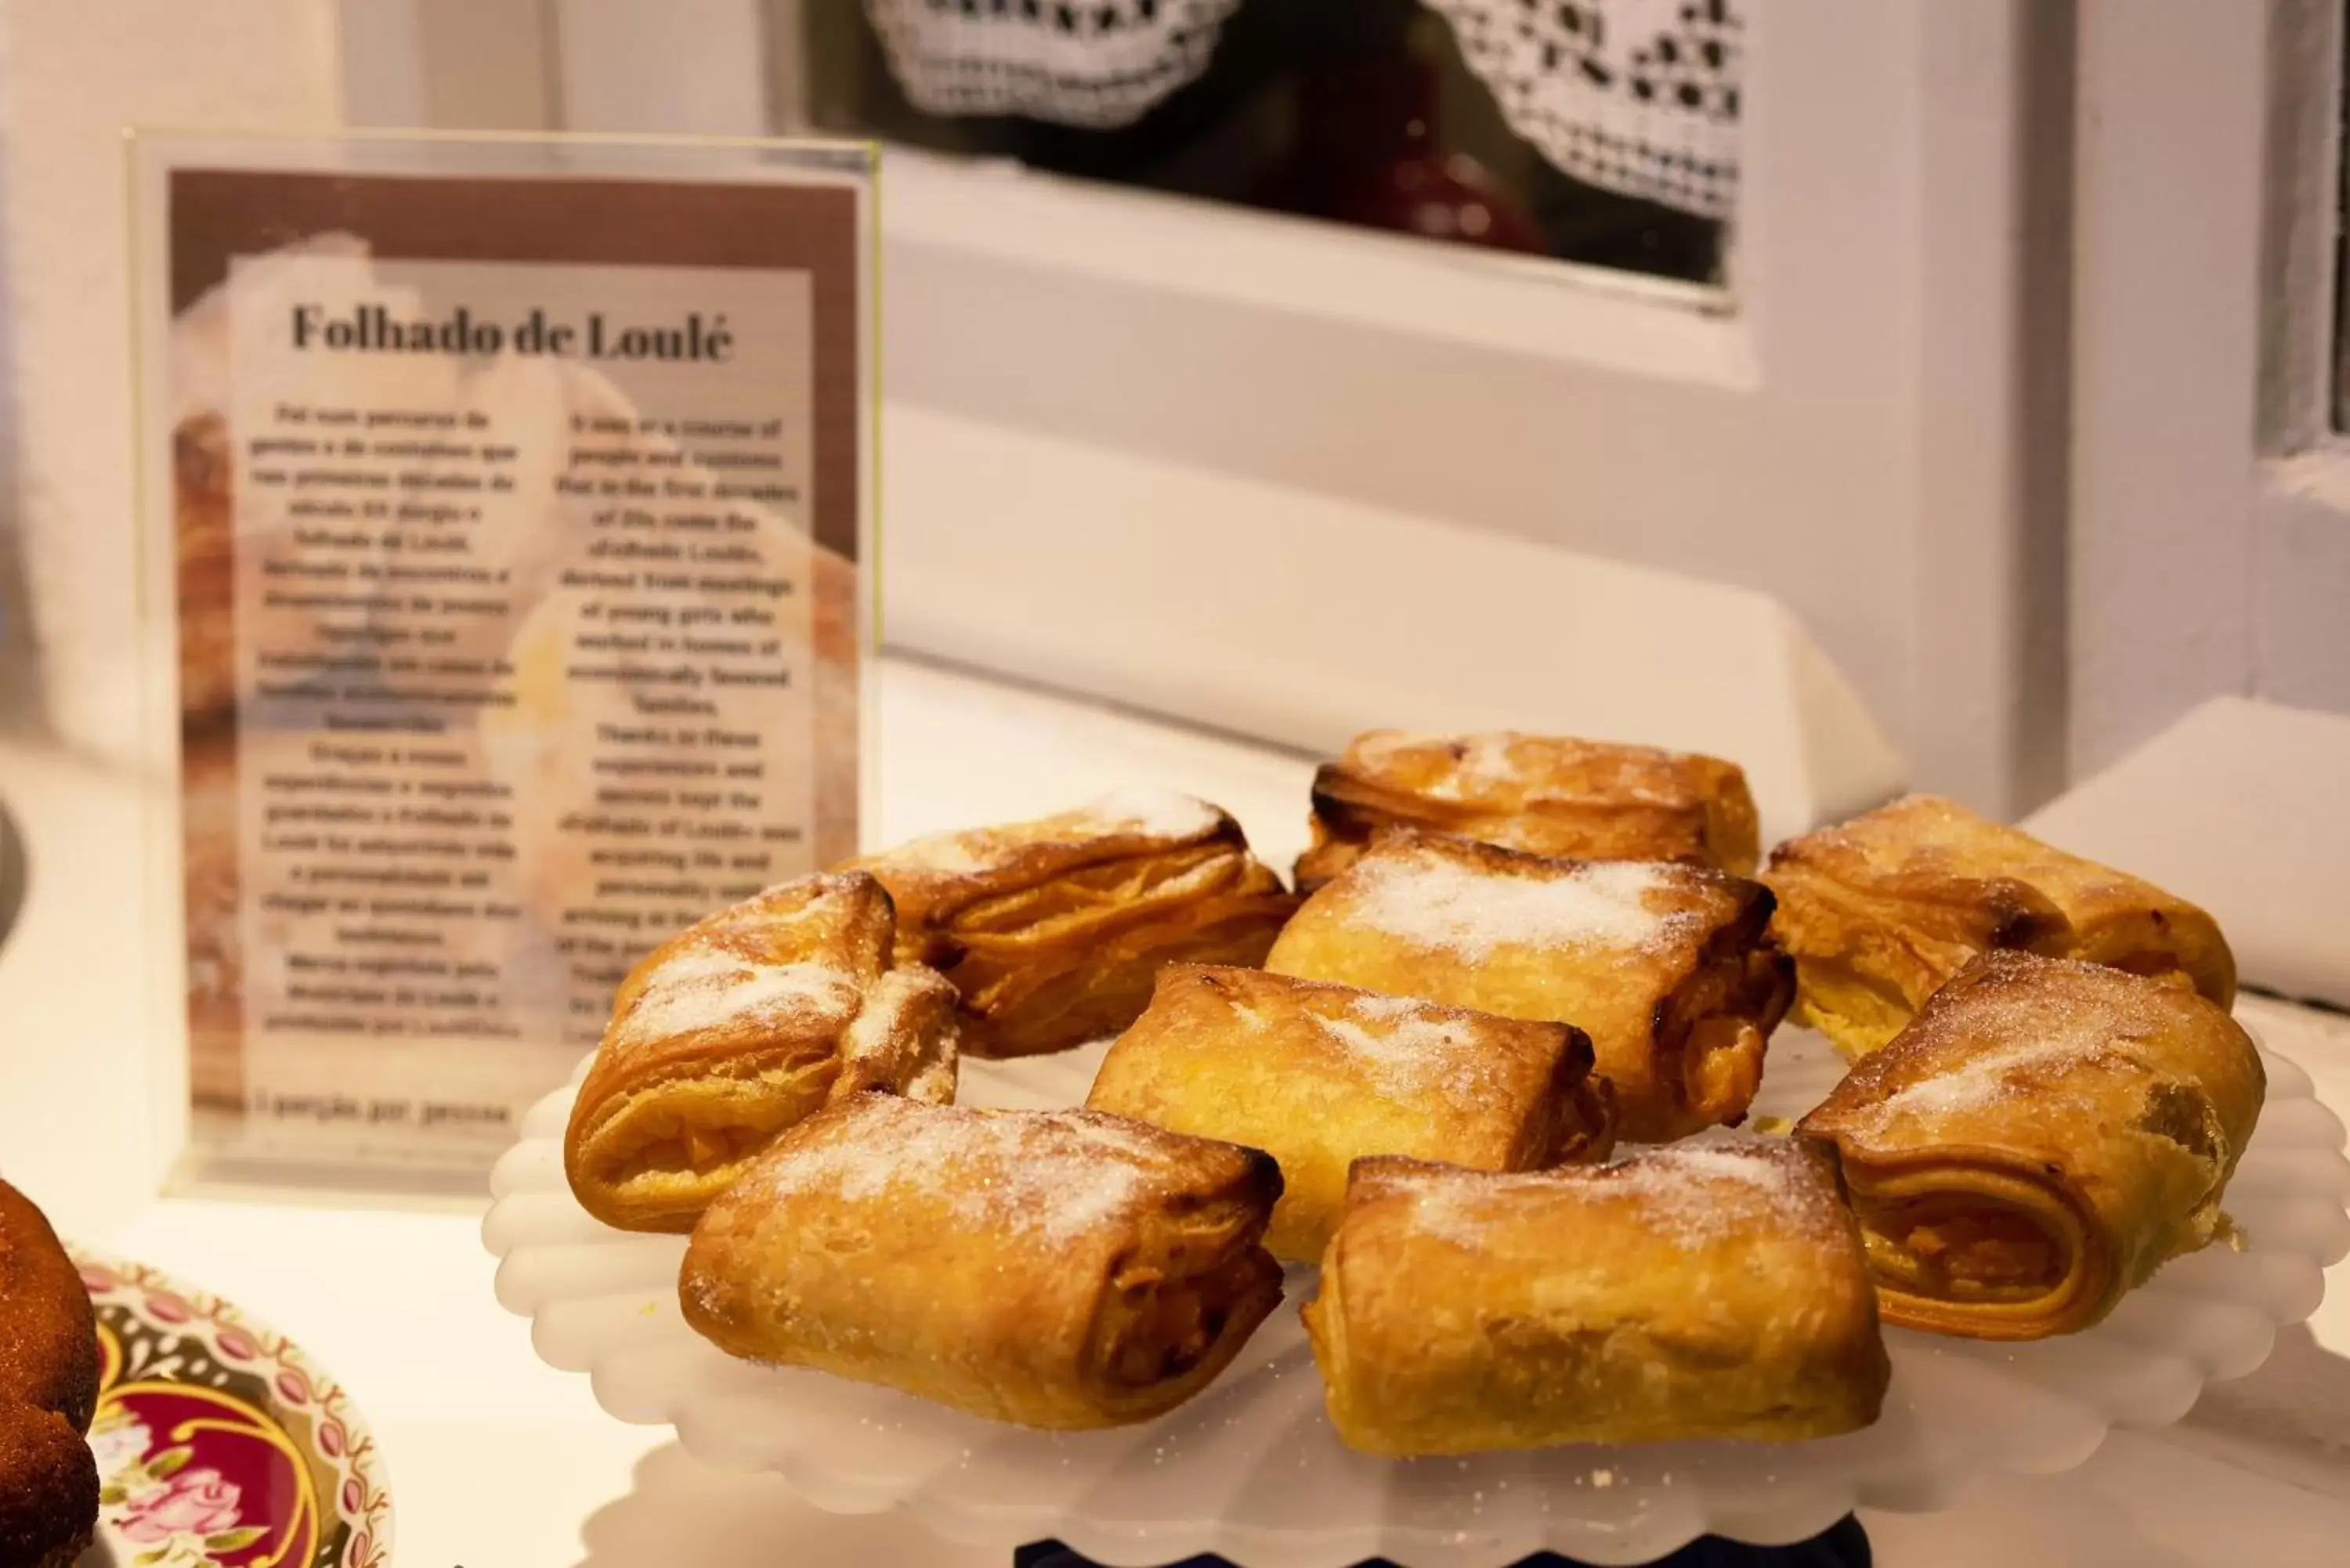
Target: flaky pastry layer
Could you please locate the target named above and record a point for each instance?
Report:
(1590, 800)
(1665, 966)
(1701, 1291)
(2041, 1138)
(1054, 1269)
(1054, 930)
(1880, 910)
(738, 1028)
(1319, 1076)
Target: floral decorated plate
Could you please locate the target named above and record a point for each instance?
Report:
(219, 1442)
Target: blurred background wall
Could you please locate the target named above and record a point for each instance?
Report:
(2039, 464)
(73, 75)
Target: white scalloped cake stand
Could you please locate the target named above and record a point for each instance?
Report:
(1252, 1470)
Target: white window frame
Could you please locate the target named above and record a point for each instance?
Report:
(2212, 496)
(1848, 431)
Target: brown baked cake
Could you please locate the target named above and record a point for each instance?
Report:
(49, 1388)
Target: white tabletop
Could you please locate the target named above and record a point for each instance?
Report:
(497, 1461)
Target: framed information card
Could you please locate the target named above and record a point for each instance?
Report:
(511, 501)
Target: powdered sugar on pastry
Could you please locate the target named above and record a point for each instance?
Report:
(1462, 1207)
(697, 991)
(1156, 813)
(1690, 1195)
(1681, 1191)
(1056, 1175)
(1150, 812)
(1407, 1047)
(1471, 764)
(938, 852)
(1386, 1009)
(805, 899)
(1485, 763)
(1509, 768)
(2009, 1072)
(2044, 1038)
(1436, 902)
(905, 1039)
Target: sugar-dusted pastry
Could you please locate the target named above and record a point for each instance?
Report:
(1054, 930)
(1880, 910)
(737, 1028)
(2038, 1141)
(1665, 966)
(1318, 1075)
(1703, 1291)
(1550, 795)
(903, 1039)
(1058, 1269)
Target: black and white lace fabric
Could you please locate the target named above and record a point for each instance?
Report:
(1641, 96)
(1094, 64)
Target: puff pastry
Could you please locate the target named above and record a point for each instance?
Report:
(1551, 794)
(1881, 910)
(1665, 966)
(2042, 1137)
(740, 1026)
(1703, 1291)
(1318, 1075)
(1056, 1269)
(1054, 930)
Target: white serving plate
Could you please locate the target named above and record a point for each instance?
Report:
(1252, 1470)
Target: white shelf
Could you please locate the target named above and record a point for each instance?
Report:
(496, 1459)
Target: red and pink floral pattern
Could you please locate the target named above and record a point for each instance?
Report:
(219, 1444)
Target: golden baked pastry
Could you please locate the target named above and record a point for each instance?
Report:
(2042, 1137)
(1880, 910)
(902, 1041)
(1318, 1075)
(48, 1390)
(737, 1028)
(1056, 1269)
(1665, 966)
(1055, 930)
(1591, 800)
(1703, 1291)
